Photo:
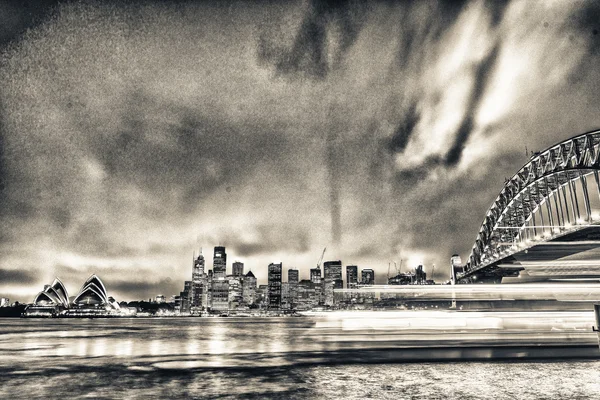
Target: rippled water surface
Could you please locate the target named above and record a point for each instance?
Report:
(351, 356)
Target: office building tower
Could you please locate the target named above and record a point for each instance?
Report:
(219, 263)
(333, 272)
(285, 296)
(199, 287)
(328, 286)
(351, 276)
(420, 276)
(293, 276)
(220, 295)
(368, 277)
(186, 297)
(274, 285)
(237, 269)
(198, 268)
(308, 295)
(177, 303)
(262, 296)
(315, 275)
(235, 292)
(293, 279)
(249, 289)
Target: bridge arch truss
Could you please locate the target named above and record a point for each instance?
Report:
(547, 198)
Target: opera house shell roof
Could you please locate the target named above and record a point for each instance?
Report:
(53, 295)
(92, 293)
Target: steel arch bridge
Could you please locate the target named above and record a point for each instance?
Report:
(547, 200)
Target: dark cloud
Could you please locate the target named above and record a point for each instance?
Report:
(327, 30)
(482, 75)
(405, 129)
(16, 17)
(8, 276)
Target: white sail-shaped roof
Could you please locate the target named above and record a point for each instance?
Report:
(55, 294)
(92, 292)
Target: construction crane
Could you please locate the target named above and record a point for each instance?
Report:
(321, 259)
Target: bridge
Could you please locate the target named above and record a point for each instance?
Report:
(545, 223)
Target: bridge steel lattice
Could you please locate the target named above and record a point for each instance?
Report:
(539, 203)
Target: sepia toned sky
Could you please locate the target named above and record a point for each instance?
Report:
(133, 133)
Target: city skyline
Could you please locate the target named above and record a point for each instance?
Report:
(132, 132)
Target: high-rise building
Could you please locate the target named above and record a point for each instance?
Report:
(333, 272)
(274, 281)
(237, 268)
(315, 275)
(219, 263)
(308, 295)
(249, 288)
(209, 281)
(186, 297)
(293, 280)
(420, 275)
(368, 276)
(220, 295)
(351, 276)
(177, 303)
(293, 275)
(199, 288)
(235, 292)
(332, 279)
(262, 296)
(198, 268)
(285, 296)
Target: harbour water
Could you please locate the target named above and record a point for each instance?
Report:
(329, 356)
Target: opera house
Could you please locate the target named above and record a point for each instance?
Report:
(90, 301)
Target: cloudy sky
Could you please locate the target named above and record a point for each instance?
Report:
(133, 133)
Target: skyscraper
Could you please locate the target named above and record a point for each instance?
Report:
(368, 277)
(219, 263)
(420, 275)
(198, 290)
(315, 275)
(236, 296)
(293, 276)
(186, 297)
(237, 268)
(274, 290)
(333, 272)
(220, 295)
(351, 276)
(249, 288)
(332, 279)
(198, 268)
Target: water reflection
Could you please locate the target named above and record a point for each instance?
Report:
(231, 339)
(271, 357)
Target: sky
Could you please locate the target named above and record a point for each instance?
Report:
(134, 133)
